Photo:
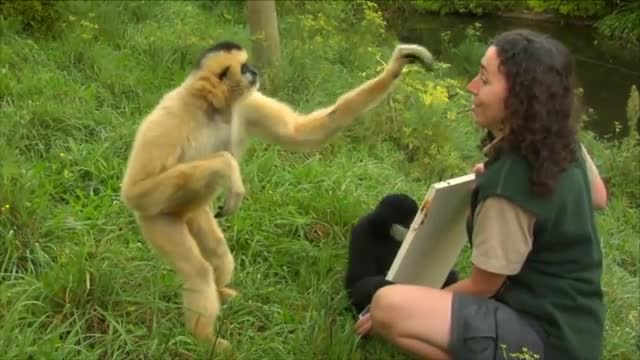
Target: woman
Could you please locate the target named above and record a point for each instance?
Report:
(536, 259)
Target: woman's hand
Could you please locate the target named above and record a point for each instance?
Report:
(363, 326)
(478, 168)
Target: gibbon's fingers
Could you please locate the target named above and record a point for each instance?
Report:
(398, 232)
(410, 53)
(231, 202)
(185, 187)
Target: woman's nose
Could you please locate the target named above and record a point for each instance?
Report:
(473, 85)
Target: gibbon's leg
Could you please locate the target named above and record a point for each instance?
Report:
(186, 187)
(276, 122)
(170, 237)
(212, 244)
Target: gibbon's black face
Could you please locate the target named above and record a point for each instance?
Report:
(227, 62)
(250, 74)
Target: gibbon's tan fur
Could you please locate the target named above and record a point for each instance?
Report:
(186, 151)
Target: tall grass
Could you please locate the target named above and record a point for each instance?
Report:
(77, 280)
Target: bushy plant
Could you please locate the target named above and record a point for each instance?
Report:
(623, 24)
(36, 17)
(475, 7)
(464, 56)
(577, 8)
(620, 159)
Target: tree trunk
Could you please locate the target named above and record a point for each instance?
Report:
(263, 27)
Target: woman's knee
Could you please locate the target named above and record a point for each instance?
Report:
(386, 305)
(402, 310)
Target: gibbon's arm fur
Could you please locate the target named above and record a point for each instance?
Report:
(181, 159)
(258, 115)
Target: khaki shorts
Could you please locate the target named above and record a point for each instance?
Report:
(484, 329)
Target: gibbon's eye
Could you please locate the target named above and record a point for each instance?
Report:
(223, 73)
(244, 68)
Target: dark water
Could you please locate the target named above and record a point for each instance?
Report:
(606, 72)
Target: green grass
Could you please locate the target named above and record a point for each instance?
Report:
(78, 282)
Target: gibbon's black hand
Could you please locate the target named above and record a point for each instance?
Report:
(412, 54)
(413, 59)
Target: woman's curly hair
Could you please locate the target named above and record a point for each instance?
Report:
(540, 104)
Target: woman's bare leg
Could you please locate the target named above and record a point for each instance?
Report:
(416, 319)
(420, 349)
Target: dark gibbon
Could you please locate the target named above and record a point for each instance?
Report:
(375, 240)
(187, 151)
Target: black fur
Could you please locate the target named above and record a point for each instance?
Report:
(372, 248)
(222, 46)
(225, 46)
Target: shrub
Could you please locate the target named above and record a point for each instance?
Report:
(623, 24)
(475, 7)
(620, 159)
(577, 8)
(33, 16)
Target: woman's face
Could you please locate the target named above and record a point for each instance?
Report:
(489, 89)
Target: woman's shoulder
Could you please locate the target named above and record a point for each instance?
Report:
(509, 176)
(507, 166)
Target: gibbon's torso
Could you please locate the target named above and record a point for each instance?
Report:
(180, 129)
(206, 137)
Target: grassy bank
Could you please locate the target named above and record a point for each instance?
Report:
(78, 282)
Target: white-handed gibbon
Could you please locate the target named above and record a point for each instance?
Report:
(187, 150)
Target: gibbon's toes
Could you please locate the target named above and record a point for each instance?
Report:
(222, 345)
(227, 293)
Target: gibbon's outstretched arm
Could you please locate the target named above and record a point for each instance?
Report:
(277, 122)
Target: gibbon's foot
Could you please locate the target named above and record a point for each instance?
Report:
(227, 293)
(222, 345)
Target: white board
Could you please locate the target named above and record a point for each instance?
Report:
(436, 235)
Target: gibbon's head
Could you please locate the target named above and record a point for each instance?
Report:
(227, 74)
(397, 208)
